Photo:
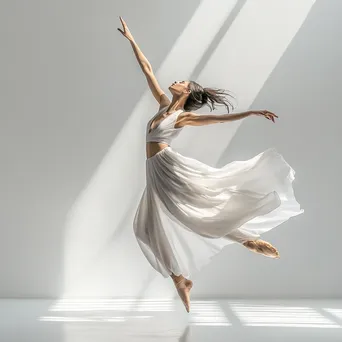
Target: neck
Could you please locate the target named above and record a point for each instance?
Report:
(176, 104)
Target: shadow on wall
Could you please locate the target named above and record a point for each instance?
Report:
(71, 84)
(304, 90)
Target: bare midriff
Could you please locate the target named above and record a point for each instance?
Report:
(153, 148)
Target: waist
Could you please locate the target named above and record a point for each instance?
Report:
(153, 147)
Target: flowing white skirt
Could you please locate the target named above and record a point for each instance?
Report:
(189, 210)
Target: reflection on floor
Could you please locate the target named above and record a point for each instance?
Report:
(166, 320)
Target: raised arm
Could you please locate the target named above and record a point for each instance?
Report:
(146, 67)
(193, 119)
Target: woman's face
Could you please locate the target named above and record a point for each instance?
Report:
(179, 87)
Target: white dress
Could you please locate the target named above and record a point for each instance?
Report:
(189, 210)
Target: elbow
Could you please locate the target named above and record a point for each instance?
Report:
(147, 68)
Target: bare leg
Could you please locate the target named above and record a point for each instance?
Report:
(262, 247)
(183, 287)
(253, 243)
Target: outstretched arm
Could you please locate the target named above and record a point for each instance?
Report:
(193, 119)
(146, 67)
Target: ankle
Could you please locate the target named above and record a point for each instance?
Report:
(249, 243)
(176, 279)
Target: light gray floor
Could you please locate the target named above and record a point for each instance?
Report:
(166, 320)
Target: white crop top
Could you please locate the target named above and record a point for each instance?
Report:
(165, 131)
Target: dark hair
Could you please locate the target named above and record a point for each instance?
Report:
(200, 97)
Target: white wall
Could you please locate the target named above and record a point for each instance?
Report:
(304, 89)
(74, 104)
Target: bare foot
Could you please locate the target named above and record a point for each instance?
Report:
(183, 287)
(262, 247)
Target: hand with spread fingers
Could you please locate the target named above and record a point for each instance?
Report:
(265, 113)
(125, 32)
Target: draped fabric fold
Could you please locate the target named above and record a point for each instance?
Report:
(189, 210)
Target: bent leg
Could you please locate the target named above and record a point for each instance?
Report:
(240, 236)
(253, 243)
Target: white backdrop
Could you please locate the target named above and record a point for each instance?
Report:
(74, 105)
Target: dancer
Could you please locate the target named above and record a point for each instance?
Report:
(189, 210)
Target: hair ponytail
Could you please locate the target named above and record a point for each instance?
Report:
(200, 97)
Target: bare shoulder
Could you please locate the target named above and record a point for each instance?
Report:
(195, 119)
(184, 119)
